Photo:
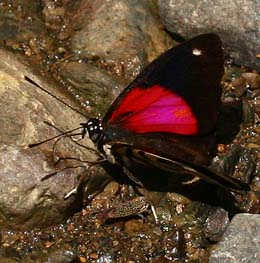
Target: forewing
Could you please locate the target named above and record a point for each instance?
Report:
(178, 93)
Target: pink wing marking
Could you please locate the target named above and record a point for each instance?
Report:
(155, 109)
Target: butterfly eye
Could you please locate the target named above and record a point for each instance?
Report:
(95, 129)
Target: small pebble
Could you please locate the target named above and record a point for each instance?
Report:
(134, 225)
(115, 243)
(252, 146)
(93, 255)
(82, 259)
(253, 79)
(48, 244)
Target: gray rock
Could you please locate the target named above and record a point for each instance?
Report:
(22, 29)
(93, 87)
(241, 241)
(236, 21)
(25, 200)
(121, 36)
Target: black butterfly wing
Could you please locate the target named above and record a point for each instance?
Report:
(166, 117)
(187, 170)
(179, 92)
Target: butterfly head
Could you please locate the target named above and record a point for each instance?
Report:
(95, 129)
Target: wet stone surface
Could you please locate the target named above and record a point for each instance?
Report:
(92, 50)
(240, 242)
(84, 237)
(236, 21)
(26, 201)
(91, 85)
(129, 30)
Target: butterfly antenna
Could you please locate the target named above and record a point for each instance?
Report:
(82, 136)
(57, 98)
(52, 138)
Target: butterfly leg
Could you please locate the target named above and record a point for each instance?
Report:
(74, 191)
(154, 213)
(82, 179)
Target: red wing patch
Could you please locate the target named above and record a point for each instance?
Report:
(155, 109)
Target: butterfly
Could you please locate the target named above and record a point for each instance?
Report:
(165, 119)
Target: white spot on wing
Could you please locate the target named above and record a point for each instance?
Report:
(196, 52)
